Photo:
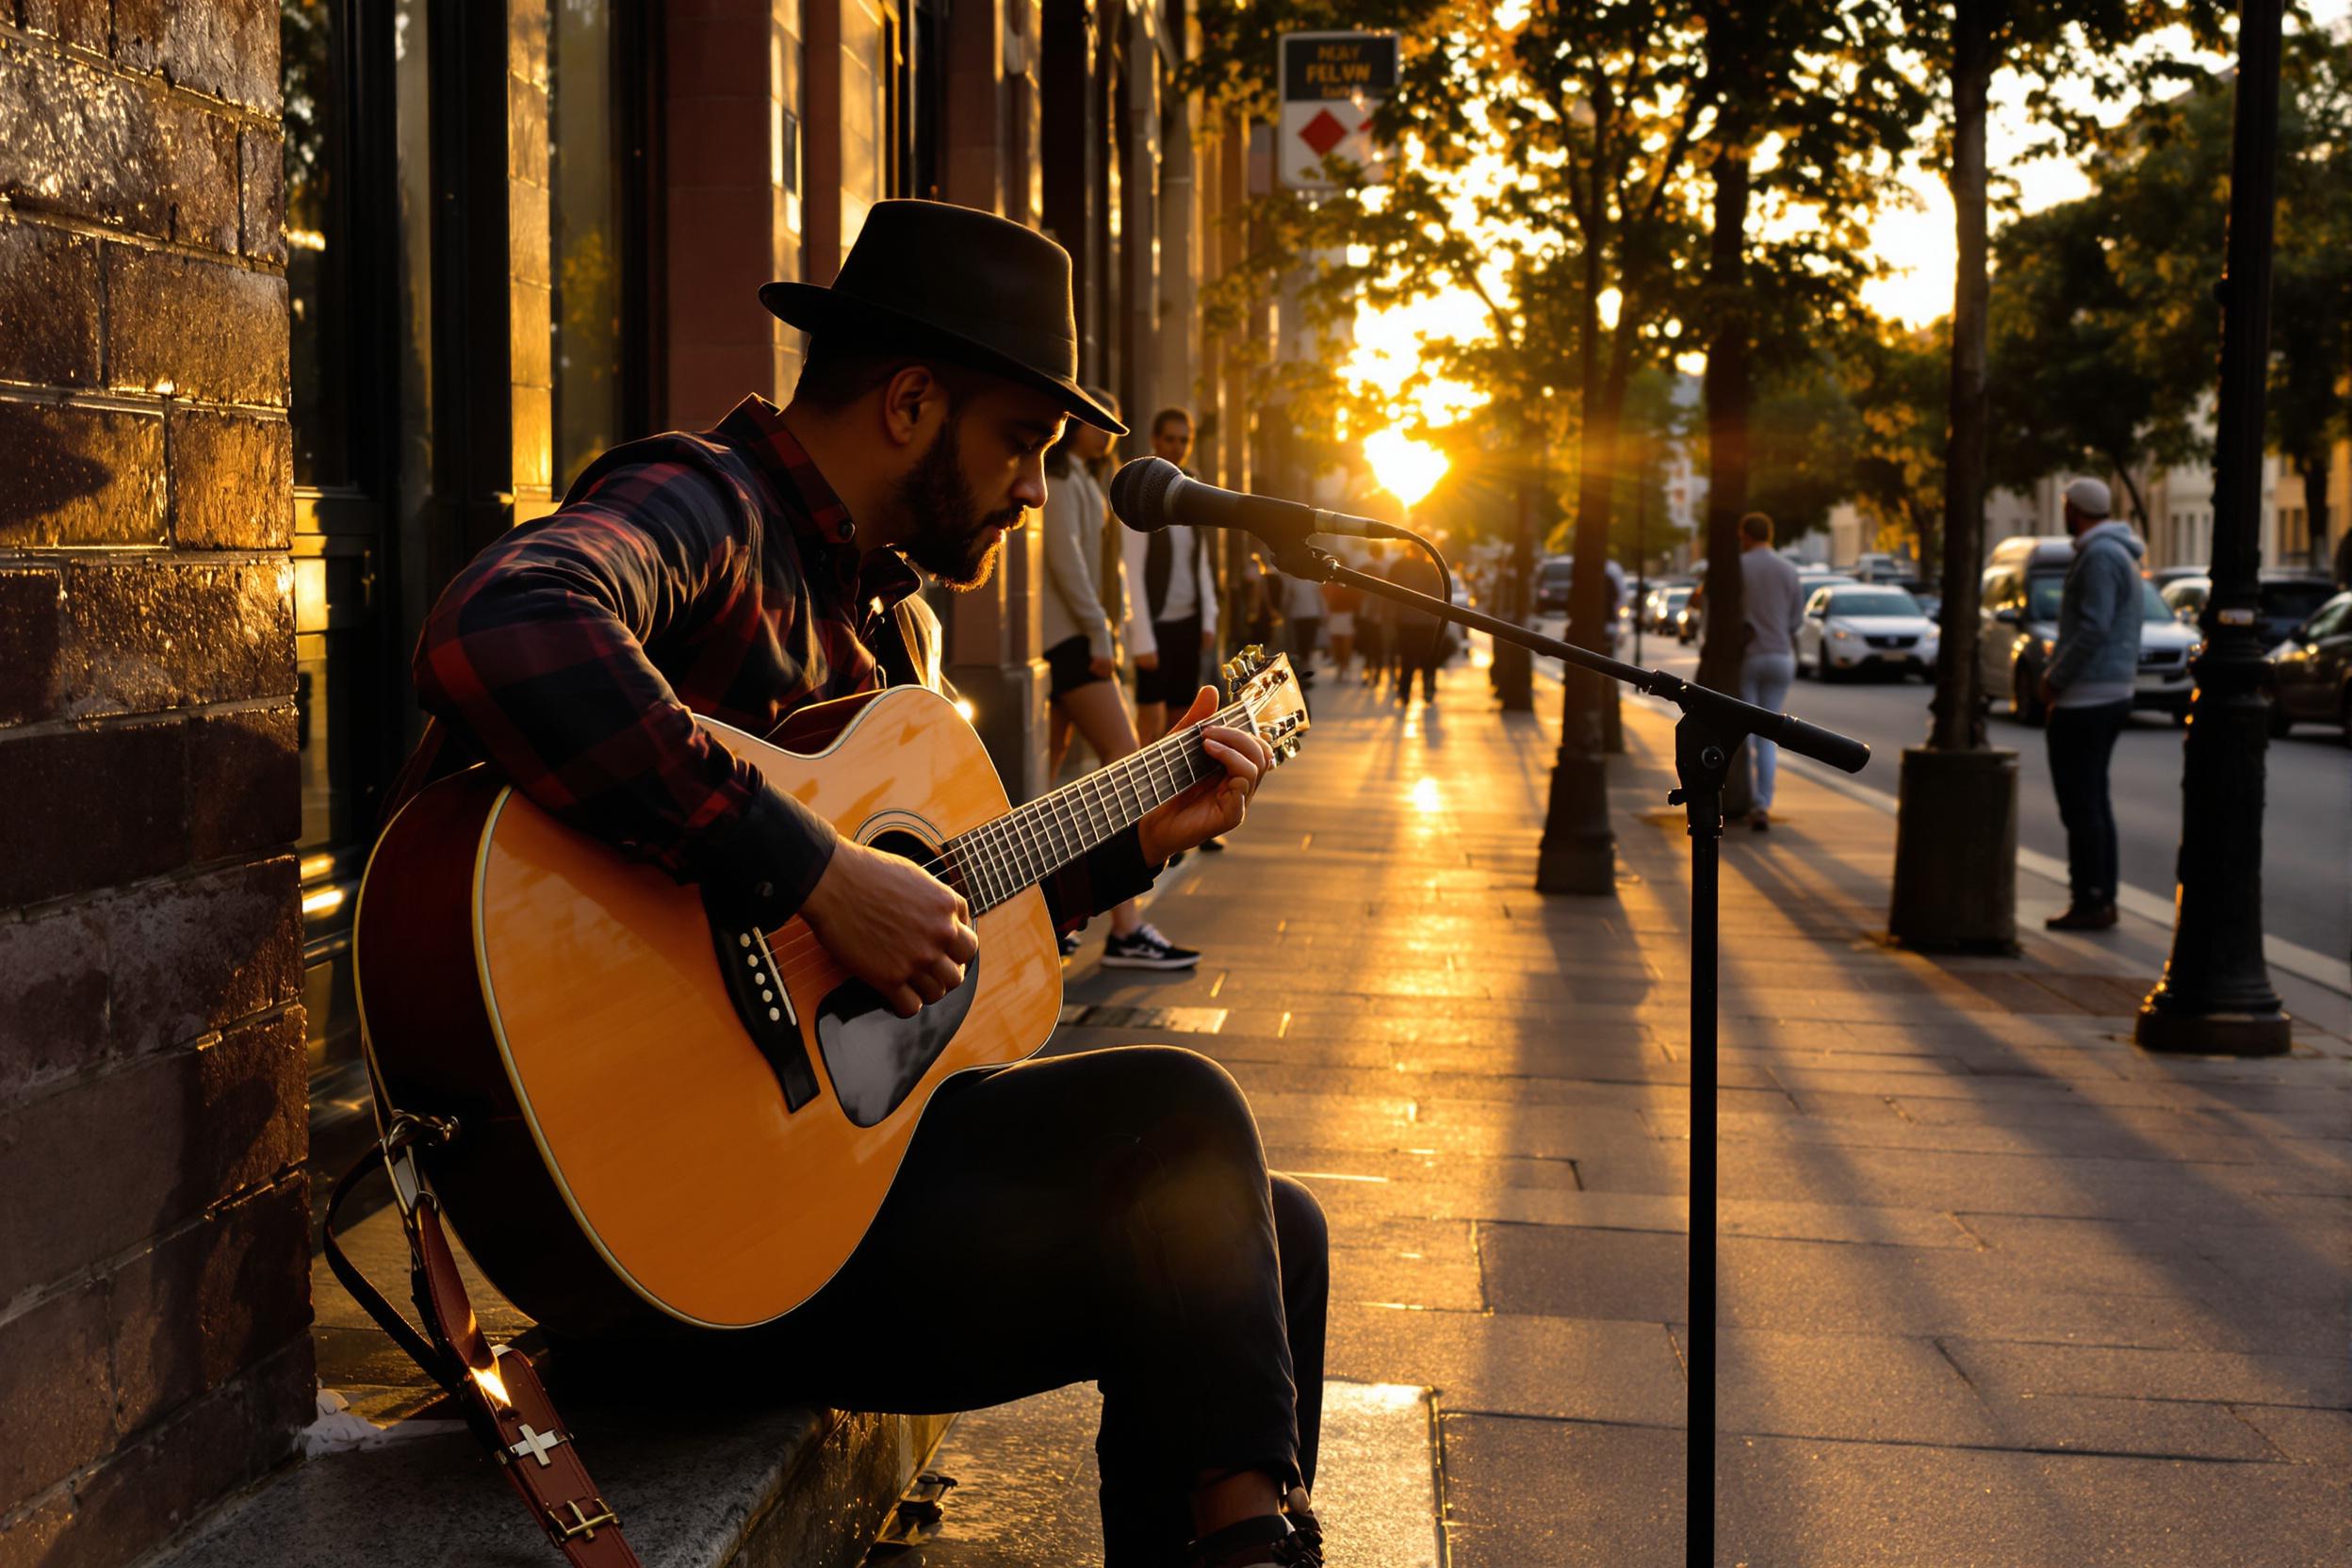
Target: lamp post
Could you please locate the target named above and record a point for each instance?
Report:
(2215, 996)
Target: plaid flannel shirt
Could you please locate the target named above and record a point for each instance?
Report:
(708, 573)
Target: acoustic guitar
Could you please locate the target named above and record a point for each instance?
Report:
(667, 1115)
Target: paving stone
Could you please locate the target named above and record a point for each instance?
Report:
(1522, 1493)
(1857, 1387)
(1836, 1504)
(1567, 1272)
(1515, 1365)
(2113, 1371)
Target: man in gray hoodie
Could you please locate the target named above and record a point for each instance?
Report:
(2086, 688)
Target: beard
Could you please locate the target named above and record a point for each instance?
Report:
(950, 540)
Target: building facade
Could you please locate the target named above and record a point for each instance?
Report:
(302, 304)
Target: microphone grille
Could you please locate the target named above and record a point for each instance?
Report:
(1139, 493)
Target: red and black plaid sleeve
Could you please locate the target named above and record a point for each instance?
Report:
(536, 657)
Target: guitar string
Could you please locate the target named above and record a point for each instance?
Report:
(789, 956)
(997, 835)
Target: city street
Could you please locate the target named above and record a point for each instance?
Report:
(2306, 825)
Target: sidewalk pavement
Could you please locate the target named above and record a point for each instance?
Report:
(1995, 1288)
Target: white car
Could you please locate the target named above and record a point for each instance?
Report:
(1853, 627)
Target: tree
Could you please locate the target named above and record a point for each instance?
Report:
(1897, 383)
(2068, 389)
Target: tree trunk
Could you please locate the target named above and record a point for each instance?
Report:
(1958, 708)
(2315, 471)
(2131, 488)
(1728, 397)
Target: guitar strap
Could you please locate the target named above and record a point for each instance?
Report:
(495, 1386)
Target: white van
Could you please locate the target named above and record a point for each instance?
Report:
(2017, 624)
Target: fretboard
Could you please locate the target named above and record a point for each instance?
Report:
(1029, 844)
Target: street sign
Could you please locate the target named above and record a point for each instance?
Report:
(1332, 84)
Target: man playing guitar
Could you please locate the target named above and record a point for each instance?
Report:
(1103, 1217)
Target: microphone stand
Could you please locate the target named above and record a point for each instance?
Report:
(1712, 726)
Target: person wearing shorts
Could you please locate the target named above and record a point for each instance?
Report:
(1079, 657)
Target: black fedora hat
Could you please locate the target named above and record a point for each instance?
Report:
(986, 291)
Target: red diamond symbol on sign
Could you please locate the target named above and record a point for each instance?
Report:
(1323, 133)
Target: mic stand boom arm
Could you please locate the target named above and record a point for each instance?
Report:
(1712, 726)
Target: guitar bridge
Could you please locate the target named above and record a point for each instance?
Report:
(763, 1003)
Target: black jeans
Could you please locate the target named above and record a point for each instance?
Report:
(1105, 1216)
(1417, 648)
(2082, 740)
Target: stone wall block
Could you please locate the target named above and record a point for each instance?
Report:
(232, 482)
(52, 1010)
(79, 476)
(244, 782)
(191, 957)
(156, 1488)
(264, 161)
(206, 1302)
(228, 48)
(91, 810)
(135, 1124)
(54, 1386)
(180, 324)
(527, 41)
(528, 237)
(199, 171)
(79, 142)
(28, 644)
(81, 22)
(141, 636)
(139, 34)
(48, 306)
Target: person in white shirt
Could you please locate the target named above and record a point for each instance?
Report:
(1079, 655)
(1773, 602)
(1171, 605)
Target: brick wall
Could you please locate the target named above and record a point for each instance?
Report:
(153, 1283)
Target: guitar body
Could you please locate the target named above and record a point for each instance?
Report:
(665, 1115)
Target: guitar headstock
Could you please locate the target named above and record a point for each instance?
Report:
(1267, 690)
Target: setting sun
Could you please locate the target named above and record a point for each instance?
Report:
(1407, 468)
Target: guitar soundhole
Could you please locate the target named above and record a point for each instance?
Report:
(875, 1058)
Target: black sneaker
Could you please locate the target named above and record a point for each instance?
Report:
(1070, 944)
(1211, 846)
(1145, 948)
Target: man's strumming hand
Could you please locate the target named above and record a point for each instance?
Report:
(893, 925)
(1216, 806)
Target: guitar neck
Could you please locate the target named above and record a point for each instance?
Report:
(1029, 844)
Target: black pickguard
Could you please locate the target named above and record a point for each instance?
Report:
(875, 1058)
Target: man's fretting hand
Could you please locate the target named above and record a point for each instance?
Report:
(893, 925)
(1214, 806)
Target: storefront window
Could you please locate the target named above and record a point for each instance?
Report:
(586, 218)
(868, 72)
(316, 238)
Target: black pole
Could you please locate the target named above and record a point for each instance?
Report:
(2216, 997)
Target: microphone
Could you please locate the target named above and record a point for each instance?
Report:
(1150, 493)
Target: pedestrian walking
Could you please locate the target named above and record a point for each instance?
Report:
(1173, 619)
(2086, 690)
(1339, 623)
(1773, 602)
(1372, 619)
(1083, 694)
(1302, 608)
(1416, 635)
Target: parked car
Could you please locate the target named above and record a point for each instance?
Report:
(2284, 599)
(1666, 604)
(1879, 568)
(2287, 600)
(2311, 671)
(1864, 628)
(2019, 626)
(1553, 575)
(2165, 577)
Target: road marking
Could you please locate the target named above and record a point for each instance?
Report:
(2290, 957)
